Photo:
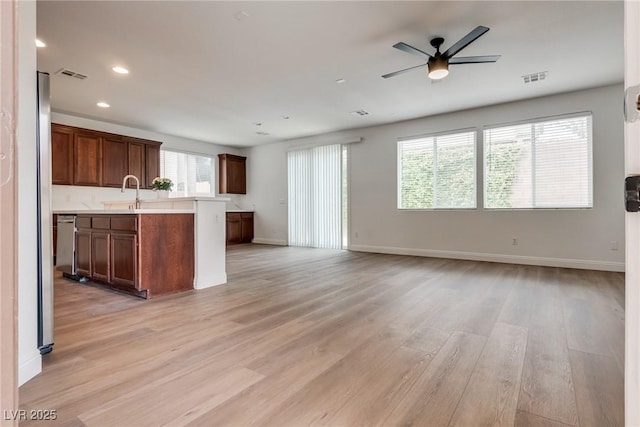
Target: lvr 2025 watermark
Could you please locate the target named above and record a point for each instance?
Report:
(30, 414)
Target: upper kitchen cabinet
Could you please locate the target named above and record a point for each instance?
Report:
(100, 159)
(87, 159)
(152, 154)
(61, 155)
(232, 174)
(137, 161)
(114, 161)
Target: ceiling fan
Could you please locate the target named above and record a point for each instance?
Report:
(438, 64)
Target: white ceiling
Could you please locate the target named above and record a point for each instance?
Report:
(200, 72)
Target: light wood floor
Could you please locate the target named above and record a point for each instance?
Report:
(307, 336)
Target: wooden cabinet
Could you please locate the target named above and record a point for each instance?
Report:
(137, 160)
(61, 155)
(115, 163)
(87, 159)
(144, 255)
(100, 255)
(234, 228)
(124, 268)
(100, 159)
(152, 154)
(239, 227)
(83, 252)
(246, 220)
(232, 175)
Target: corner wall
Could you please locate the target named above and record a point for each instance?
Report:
(567, 238)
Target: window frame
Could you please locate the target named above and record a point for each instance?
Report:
(214, 167)
(399, 141)
(580, 114)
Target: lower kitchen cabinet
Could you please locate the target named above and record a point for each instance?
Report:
(142, 254)
(124, 248)
(246, 221)
(239, 227)
(100, 255)
(83, 252)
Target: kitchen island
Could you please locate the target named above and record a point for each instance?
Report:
(209, 232)
(144, 252)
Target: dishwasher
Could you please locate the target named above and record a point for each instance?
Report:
(66, 246)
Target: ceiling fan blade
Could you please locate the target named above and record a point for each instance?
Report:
(474, 59)
(395, 73)
(465, 41)
(412, 50)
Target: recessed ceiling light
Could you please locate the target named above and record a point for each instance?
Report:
(340, 81)
(120, 70)
(40, 43)
(262, 133)
(257, 123)
(103, 104)
(285, 117)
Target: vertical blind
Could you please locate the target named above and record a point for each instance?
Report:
(315, 194)
(190, 173)
(545, 164)
(437, 171)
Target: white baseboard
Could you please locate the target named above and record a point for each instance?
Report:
(29, 369)
(507, 259)
(262, 241)
(218, 279)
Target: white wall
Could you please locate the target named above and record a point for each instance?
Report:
(29, 359)
(76, 197)
(571, 238)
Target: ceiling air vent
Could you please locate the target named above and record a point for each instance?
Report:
(535, 77)
(360, 112)
(69, 73)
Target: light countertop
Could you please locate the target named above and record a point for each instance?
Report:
(121, 211)
(173, 199)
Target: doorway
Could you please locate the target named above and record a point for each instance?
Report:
(317, 192)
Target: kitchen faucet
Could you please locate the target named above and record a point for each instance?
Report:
(124, 183)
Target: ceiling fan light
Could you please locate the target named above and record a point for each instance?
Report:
(438, 68)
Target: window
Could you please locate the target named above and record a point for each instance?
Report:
(437, 172)
(190, 173)
(544, 164)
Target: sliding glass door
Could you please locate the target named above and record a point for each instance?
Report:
(317, 196)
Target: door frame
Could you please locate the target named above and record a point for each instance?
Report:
(632, 224)
(8, 216)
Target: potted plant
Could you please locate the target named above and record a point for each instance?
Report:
(162, 186)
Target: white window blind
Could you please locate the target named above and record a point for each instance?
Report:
(190, 173)
(315, 197)
(437, 172)
(544, 164)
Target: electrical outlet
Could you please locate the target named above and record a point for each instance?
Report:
(514, 241)
(614, 245)
(356, 235)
